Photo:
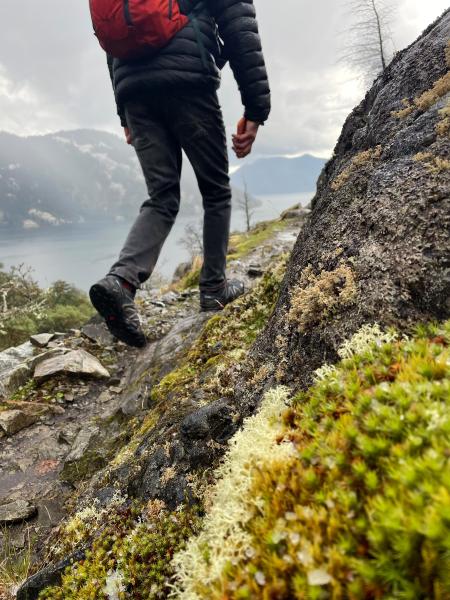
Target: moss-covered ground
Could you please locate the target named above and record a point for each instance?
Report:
(361, 510)
(356, 506)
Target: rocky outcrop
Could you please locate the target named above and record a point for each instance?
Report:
(374, 250)
(376, 247)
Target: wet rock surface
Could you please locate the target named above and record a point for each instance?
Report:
(17, 511)
(376, 246)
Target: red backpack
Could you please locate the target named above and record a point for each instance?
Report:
(133, 28)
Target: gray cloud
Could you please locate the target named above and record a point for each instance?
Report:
(53, 74)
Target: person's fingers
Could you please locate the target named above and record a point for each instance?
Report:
(245, 137)
(238, 144)
(242, 152)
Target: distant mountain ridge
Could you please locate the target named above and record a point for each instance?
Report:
(280, 175)
(73, 177)
(67, 177)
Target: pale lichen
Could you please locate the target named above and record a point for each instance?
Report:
(223, 538)
(316, 297)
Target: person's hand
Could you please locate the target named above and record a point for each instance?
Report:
(127, 135)
(245, 137)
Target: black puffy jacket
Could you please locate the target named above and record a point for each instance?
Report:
(185, 62)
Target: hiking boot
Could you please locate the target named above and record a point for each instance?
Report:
(115, 303)
(218, 300)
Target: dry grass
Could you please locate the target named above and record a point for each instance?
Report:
(357, 161)
(434, 164)
(15, 565)
(443, 125)
(440, 88)
(407, 109)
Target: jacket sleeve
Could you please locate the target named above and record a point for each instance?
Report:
(120, 111)
(238, 28)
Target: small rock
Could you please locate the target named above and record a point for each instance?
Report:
(81, 443)
(33, 362)
(59, 335)
(12, 421)
(66, 437)
(104, 397)
(41, 339)
(157, 303)
(97, 332)
(182, 270)
(77, 362)
(255, 271)
(116, 389)
(12, 357)
(75, 332)
(69, 397)
(214, 421)
(17, 511)
(53, 345)
(169, 298)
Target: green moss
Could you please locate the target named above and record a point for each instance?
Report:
(190, 280)
(224, 338)
(131, 557)
(362, 509)
(242, 244)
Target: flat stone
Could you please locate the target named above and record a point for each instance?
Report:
(33, 362)
(17, 511)
(97, 332)
(12, 421)
(76, 362)
(41, 339)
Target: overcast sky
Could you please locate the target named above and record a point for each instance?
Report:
(53, 74)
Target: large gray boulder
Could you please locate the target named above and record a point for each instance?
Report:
(376, 247)
(77, 362)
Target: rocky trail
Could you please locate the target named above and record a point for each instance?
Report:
(65, 422)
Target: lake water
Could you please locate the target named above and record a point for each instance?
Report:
(83, 254)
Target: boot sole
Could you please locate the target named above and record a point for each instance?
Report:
(106, 304)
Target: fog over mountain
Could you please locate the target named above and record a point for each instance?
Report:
(280, 175)
(73, 177)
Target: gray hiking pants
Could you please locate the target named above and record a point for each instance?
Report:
(161, 126)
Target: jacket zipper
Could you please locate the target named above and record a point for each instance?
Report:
(126, 11)
(170, 9)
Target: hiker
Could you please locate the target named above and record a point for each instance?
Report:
(167, 102)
